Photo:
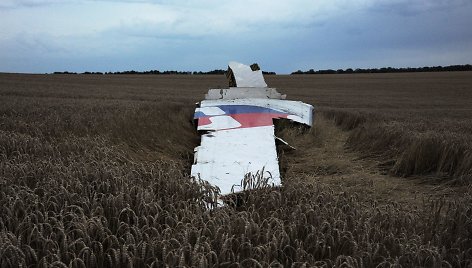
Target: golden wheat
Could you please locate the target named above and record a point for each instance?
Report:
(97, 176)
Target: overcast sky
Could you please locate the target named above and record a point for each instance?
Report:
(41, 36)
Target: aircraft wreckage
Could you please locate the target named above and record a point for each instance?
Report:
(237, 126)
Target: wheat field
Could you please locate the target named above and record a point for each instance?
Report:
(94, 173)
(417, 123)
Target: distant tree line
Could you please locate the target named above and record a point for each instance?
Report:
(450, 68)
(147, 72)
(66, 72)
(217, 71)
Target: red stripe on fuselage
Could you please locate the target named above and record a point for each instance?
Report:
(249, 119)
(204, 121)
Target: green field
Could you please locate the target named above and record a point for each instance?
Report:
(94, 173)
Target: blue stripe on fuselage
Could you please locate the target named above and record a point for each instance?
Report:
(245, 109)
(240, 109)
(199, 114)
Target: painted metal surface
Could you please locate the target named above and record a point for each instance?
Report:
(226, 156)
(238, 133)
(241, 139)
(245, 77)
(243, 113)
(243, 93)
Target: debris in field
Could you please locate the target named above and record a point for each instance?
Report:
(238, 126)
(240, 75)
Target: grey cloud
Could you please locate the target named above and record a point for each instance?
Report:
(8, 4)
(396, 33)
(415, 7)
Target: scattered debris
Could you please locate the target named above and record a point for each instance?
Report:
(238, 129)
